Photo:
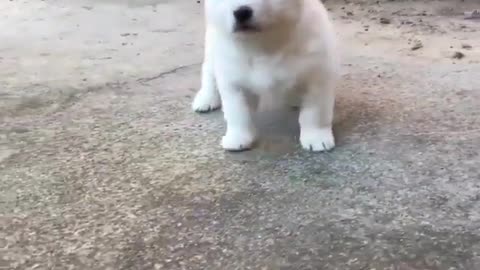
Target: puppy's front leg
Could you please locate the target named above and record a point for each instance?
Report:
(241, 132)
(207, 99)
(316, 117)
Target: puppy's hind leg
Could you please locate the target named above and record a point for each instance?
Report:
(207, 98)
(316, 116)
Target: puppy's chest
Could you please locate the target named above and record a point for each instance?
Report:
(267, 74)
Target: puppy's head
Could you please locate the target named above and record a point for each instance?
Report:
(249, 17)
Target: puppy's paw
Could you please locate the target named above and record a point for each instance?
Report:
(206, 101)
(317, 139)
(238, 140)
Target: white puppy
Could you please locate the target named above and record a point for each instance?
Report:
(269, 48)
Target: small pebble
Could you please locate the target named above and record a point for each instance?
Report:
(458, 55)
(417, 46)
(385, 21)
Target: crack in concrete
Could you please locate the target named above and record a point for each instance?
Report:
(165, 73)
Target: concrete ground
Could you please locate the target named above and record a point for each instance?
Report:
(104, 166)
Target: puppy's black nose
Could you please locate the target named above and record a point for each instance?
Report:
(243, 14)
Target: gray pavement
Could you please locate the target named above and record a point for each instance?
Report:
(104, 166)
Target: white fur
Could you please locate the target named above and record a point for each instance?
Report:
(293, 53)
